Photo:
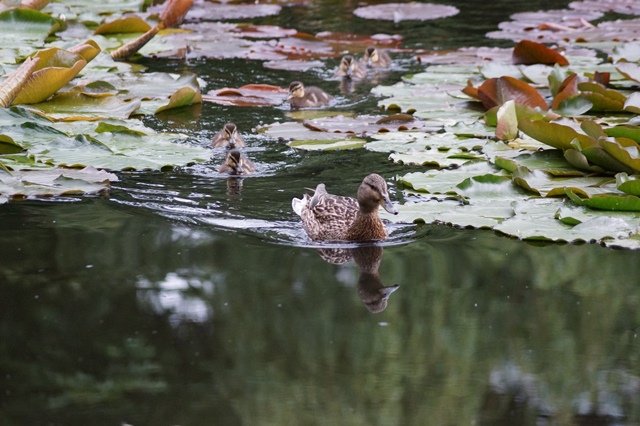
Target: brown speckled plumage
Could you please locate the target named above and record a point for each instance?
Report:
(333, 218)
(307, 97)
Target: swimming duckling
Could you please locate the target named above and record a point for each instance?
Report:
(350, 68)
(332, 217)
(304, 97)
(237, 164)
(228, 136)
(376, 58)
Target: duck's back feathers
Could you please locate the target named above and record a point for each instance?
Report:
(332, 217)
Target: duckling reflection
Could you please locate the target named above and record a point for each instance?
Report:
(373, 293)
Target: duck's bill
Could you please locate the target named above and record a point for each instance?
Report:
(388, 206)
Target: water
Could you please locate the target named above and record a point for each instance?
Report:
(176, 299)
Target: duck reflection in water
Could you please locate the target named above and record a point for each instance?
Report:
(373, 293)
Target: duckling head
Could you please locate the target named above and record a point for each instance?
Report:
(296, 90)
(373, 193)
(347, 65)
(234, 162)
(230, 133)
(371, 55)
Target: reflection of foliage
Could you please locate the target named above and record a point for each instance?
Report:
(294, 333)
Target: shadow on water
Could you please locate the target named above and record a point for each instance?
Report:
(189, 297)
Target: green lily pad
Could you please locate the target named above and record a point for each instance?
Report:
(614, 202)
(628, 184)
(78, 106)
(53, 182)
(327, 145)
(20, 26)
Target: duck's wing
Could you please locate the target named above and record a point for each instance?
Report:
(334, 216)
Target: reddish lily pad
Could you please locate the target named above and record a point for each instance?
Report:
(496, 91)
(218, 12)
(364, 124)
(528, 52)
(405, 11)
(248, 95)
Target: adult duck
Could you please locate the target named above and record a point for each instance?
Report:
(335, 218)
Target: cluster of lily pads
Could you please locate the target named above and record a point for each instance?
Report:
(532, 142)
(69, 102)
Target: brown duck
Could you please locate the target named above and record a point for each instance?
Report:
(336, 218)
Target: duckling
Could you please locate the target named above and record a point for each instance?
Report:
(303, 97)
(376, 58)
(351, 69)
(228, 136)
(237, 164)
(332, 217)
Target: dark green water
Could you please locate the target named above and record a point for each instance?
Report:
(171, 301)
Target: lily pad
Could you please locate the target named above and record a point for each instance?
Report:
(218, 12)
(405, 11)
(53, 182)
(248, 95)
(363, 124)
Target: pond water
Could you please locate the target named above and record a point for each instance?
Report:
(178, 299)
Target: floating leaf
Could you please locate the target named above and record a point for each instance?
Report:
(78, 106)
(553, 134)
(612, 202)
(219, 12)
(628, 184)
(527, 52)
(364, 124)
(507, 128)
(405, 11)
(248, 95)
(128, 24)
(9, 146)
(55, 68)
(54, 182)
(497, 91)
(183, 97)
(20, 26)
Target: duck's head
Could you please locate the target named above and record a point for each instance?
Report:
(373, 193)
(231, 133)
(228, 136)
(296, 90)
(347, 65)
(371, 55)
(234, 162)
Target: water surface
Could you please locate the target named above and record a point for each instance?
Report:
(177, 299)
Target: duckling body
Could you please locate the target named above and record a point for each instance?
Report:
(376, 58)
(228, 137)
(307, 97)
(351, 69)
(237, 163)
(334, 218)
